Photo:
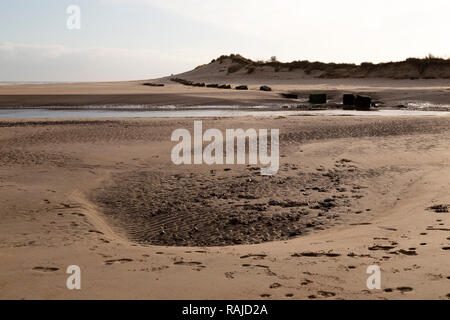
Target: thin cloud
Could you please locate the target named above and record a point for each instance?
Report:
(20, 62)
(326, 30)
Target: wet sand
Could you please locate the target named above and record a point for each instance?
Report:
(351, 192)
(387, 92)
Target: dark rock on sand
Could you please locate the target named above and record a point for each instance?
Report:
(319, 98)
(289, 95)
(265, 88)
(363, 102)
(182, 81)
(150, 84)
(243, 87)
(349, 100)
(440, 208)
(225, 86)
(213, 85)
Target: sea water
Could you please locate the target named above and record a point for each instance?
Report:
(198, 111)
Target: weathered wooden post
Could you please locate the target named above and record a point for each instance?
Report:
(318, 98)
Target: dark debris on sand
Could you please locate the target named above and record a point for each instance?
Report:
(188, 209)
(440, 208)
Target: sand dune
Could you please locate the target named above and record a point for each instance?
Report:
(235, 64)
(382, 87)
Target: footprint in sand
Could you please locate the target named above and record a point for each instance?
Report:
(45, 269)
(306, 282)
(382, 248)
(326, 294)
(96, 231)
(408, 252)
(265, 268)
(187, 263)
(316, 254)
(155, 269)
(401, 289)
(257, 256)
(440, 208)
(118, 261)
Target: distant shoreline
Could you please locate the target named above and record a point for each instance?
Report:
(385, 92)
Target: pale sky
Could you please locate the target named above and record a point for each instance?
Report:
(142, 39)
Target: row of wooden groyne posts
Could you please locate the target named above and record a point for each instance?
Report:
(350, 101)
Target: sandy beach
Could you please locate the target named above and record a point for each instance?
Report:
(387, 92)
(351, 192)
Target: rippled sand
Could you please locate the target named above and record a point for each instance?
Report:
(351, 192)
